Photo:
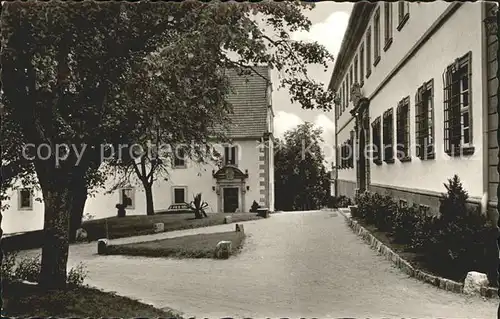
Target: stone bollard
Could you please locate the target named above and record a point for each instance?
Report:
(353, 210)
(240, 228)
(223, 249)
(159, 227)
(81, 234)
(102, 245)
(227, 220)
(474, 282)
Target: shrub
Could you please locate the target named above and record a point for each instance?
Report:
(255, 207)
(77, 275)
(341, 201)
(454, 202)
(29, 269)
(384, 212)
(7, 271)
(404, 224)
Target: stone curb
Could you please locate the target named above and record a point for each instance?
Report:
(405, 266)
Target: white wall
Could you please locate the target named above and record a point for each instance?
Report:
(459, 35)
(196, 177)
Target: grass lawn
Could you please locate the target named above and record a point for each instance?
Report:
(142, 224)
(24, 300)
(193, 246)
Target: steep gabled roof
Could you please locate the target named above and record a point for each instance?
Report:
(250, 103)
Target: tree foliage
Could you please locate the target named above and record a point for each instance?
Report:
(301, 179)
(69, 71)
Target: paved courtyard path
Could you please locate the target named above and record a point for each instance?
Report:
(306, 264)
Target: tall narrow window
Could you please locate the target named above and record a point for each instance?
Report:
(127, 197)
(403, 130)
(347, 92)
(457, 107)
(356, 69)
(344, 98)
(403, 14)
(376, 37)
(424, 121)
(230, 155)
(388, 24)
(377, 142)
(388, 136)
(368, 52)
(362, 64)
(351, 78)
(25, 199)
(179, 157)
(351, 150)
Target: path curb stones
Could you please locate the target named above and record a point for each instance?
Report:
(405, 266)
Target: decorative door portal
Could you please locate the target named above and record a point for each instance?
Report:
(231, 189)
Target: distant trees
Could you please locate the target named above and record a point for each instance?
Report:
(301, 179)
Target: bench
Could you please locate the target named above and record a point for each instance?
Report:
(263, 212)
(176, 209)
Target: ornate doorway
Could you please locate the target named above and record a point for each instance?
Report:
(230, 186)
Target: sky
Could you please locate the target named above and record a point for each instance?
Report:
(329, 21)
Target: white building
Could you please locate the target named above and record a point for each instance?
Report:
(419, 78)
(247, 173)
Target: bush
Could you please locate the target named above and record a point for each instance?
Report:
(255, 207)
(405, 222)
(29, 269)
(376, 209)
(339, 202)
(77, 275)
(7, 271)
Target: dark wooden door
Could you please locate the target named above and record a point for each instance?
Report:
(230, 199)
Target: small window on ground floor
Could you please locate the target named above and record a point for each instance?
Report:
(180, 195)
(25, 199)
(127, 197)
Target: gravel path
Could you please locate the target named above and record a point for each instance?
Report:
(293, 264)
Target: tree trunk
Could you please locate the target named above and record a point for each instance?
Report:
(79, 198)
(57, 199)
(149, 199)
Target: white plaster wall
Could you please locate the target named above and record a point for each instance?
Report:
(271, 175)
(197, 178)
(459, 35)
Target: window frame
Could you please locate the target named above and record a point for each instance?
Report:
(184, 188)
(403, 135)
(451, 122)
(388, 135)
(20, 199)
(388, 18)
(376, 37)
(183, 161)
(356, 69)
(362, 64)
(368, 52)
(377, 140)
(351, 145)
(132, 198)
(425, 97)
(234, 161)
(403, 14)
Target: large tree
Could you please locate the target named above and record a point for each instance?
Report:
(301, 179)
(66, 66)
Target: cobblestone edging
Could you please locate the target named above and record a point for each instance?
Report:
(405, 266)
